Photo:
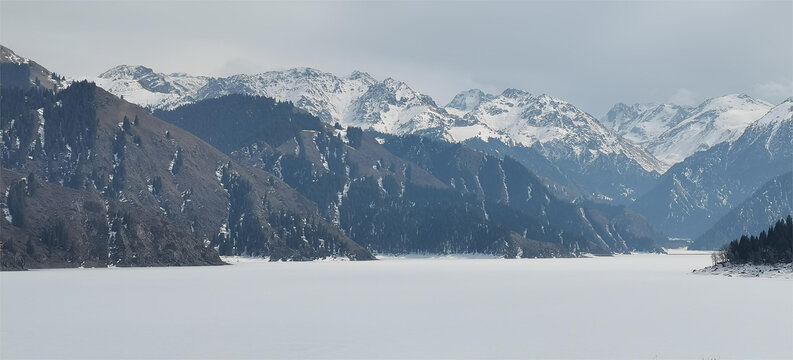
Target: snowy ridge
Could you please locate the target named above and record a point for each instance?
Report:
(6, 55)
(515, 118)
(643, 123)
(717, 120)
(773, 128)
(322, 94)
(672, 133)
(693, 194)
(559, 129)
(388, 106)
(142, 86)
(392, 107)
(466, 101)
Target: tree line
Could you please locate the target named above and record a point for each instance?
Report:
(770, 247)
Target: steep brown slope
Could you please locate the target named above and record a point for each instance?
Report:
(88, 140)
(54, 226)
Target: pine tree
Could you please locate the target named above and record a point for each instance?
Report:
(16, 203)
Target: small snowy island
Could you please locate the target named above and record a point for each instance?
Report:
(781, 270)
(768, 255)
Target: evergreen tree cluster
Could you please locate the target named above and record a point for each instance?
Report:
(71, 120)
(19, 122)
(17, 193)
(119, 171)
(354, 136)
(306, 235)
(56, 236)
(292, 236)
(245, 234)
(15, 75)
(40, 124)
(770, 247)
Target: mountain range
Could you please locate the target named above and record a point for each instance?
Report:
(123, 188)
(410, 193)
(693, 194)
(537, 126)
(624, 158)
(273, 181)
(302, 164)
(672, 133)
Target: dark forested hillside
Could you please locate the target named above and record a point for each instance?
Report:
(86, 142)
(48, 225)
(241, 121)
(508, 182)
(439, 198)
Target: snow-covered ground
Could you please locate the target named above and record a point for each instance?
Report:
(642, 306)
(784, 271)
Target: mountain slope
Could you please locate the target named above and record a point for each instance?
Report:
(672, 133)
(773, 201)
(582, 153)
(47, 225)
(466, 101)
(576, 146)
(393, 107)
(86, 139)
(406, 193)
(17, 71)
(323, 94)
(692, 195)
(643, 123)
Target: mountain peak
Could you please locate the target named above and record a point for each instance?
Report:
(129, 72)
(305, 71)
(731, 101)
(360, 75)
(514, 93)
(469, 99)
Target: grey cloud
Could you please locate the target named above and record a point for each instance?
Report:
(590, 53)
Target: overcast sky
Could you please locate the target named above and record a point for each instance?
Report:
(592, 54)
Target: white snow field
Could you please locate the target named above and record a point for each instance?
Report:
(641, 306)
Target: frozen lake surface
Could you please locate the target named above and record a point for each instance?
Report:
(635, 307)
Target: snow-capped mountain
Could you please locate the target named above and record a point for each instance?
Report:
(560, 129)
(323, 94)
(386, 193)
(693, 194)
(141, 85)
(558, 141)
(116, 186)
(570, 139)
(466, 101)
(392, 107)
(643, 123)
(672, 133)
